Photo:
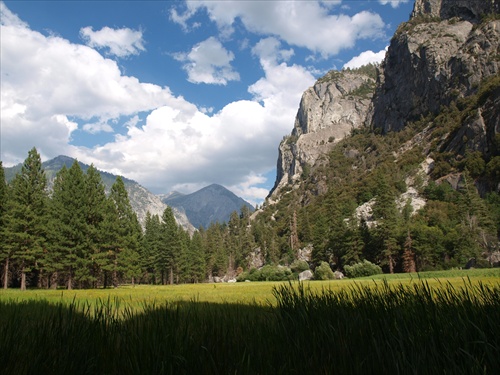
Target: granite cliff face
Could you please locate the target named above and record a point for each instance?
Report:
(441, 55)
(328, 111)
(464, 9)
(439, 58)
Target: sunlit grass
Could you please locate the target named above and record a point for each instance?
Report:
(261, 293)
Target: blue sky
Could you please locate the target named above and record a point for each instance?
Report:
(175, 94)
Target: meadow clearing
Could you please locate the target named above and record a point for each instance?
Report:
(399, 324)
(244, 293)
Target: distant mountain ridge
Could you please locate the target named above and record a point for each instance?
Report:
(141, 199)
(213, 203)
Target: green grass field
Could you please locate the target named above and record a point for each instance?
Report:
(245, 293)
(432, 323)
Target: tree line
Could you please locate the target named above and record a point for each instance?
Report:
(74, 235)
(77, 235)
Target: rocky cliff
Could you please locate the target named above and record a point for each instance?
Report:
(328, 111)
(440, 58)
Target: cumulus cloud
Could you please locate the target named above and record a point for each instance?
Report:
(366, 57)
(209, 62)
(326, 34)
(393, 3)
(46, 79)
(119, 42)
(49, 85)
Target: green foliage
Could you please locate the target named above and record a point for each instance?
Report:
(299, 266)
(267, 273)
(26, 219)
(362, 269)
(323, 272)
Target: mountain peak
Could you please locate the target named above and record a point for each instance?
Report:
(213, 203)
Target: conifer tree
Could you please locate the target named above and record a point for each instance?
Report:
(196, 259)
(27, 216)
(70, 212)
(129, 233)
(150, 248)
(170, 244)
(386, 214)
(95, 201)
(477, 228)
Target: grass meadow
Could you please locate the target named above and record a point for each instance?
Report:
(431, 323)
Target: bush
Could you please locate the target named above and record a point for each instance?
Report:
(323, 272)
(299, 266)
(267, 273)
(365, 268)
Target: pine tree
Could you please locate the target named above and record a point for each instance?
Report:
(27, 216)
(196, 259)
(150, 248)
(409, 264)
(95, 202)
(170, 244)
(129, 233)
(477, 228)
(353, 242)
(386, 214)
(70, 254)
(107, 258)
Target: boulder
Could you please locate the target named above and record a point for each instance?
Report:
(338, 275)
(305, 275)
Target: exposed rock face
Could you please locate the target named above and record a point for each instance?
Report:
(142, 201)
(328, 111)
(439, 58)
(464, 9)
(434, 61)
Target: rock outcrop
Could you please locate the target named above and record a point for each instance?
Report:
(440, 56)
(463, 9)
(328, 111)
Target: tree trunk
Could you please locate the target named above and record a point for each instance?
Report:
(6, 273)
(115, 274)
(70, 281)
(23, 280)
(53, 280)
(171, 276)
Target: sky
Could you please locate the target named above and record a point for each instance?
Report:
(175, 95)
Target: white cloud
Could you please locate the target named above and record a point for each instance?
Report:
(306, 24)
(120, 42)
(247, 189)
(98, 127)
(46, 79)
(394, 3)
(209, 62)
(49, 84)
(364, 58)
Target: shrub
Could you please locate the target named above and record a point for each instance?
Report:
(267, 273)
(323, 272)
(364, 268)
(299, 266)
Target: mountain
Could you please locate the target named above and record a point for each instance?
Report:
(141, 199)
(211, 204)
(397, 163)
(445, 61)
